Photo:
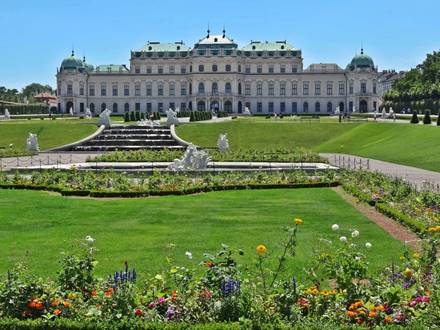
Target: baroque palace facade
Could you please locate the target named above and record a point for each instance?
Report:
(266, 77)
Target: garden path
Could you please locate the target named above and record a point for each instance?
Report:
(415, 176)
(392, 227)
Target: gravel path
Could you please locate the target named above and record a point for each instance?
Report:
(416, 176)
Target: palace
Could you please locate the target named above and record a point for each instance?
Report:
(216, 74)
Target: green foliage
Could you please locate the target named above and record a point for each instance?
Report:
(200, 115)
(138, 116)
(427, 118)
(127, 117)
(414, 118)
(132, 116)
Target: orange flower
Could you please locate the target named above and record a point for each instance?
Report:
(380, 308)
(67, 304)
(388, 319)
(57, 312)
(372, 314)
(108, 292)
(55, 302)
(261, 249)
(39, 306)
(351, 314)
(209, 264)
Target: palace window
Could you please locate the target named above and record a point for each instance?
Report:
(160, 69)
(317, 88)
(115, 107)
(259, 68)
(137, 89)
(271, 88)
(341, 88)
(329, 88)
(282, 107)
(182, 69)
(171, 69)
(103, 89)
(183, 106)
(114, 89)
(350, 87)
(374, 87)
(294, 88)
(149, 89)
(294, 69)
(160, 89)
(214, 88)
(259, 88)
(160, 106)
(69, 89)
(172, 89)
(228, 68)
(239, 68)
(329, 107)
(283, 88)
(363, 87)
(137, 107)
(92, 90)
(239, 88)
(103, 107)
(283, 68)
(183, 89)
(317, 107)
(137, 69)
(149, 107)
(201, 68)
(247, 88)
(201, 88)
(126, 107)
(306, 88)
(294, 107)
(305, 107)
(247, 68)
(271, 69)
(172, 106)
(126, 89)
(228, 88)
(271, 107)
(149, 69)
(259, 107)
(214, 68)
(81, 88)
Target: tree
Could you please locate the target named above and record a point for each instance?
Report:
(427, 118)
(35, 88)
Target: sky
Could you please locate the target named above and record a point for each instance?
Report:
(36, 35)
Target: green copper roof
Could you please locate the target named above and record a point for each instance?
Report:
(164, 47)
(268, 46)
(112, 68)
(361, 61)
(72, 63)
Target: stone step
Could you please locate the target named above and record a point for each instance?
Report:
(118, 148)
(169, 142)
(136, 132)
(134, 137)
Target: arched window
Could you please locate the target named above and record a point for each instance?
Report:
(228, 88)
(115, 107)
(92, 107)
(329, 107)
(103, 107)
(228, 106)
(239, 88)
(305, 107)
(201, 106)
(201, 68)
(228, 68)
(214, 68)
(214, 88)
(190, 88)
(201, 88)
(317, 107)
(126, 107)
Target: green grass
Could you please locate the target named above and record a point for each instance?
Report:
(413, 145)
(50, 134)
(36, 227)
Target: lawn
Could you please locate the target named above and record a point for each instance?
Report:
(50, 133)
(413, 145)
(36, 227)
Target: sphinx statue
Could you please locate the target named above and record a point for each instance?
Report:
(104, 118)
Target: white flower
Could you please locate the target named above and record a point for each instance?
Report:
(89, 239)
(335, 227)
(189, 254)
(343, 239)
(368, 245)
(357, 258)
(354, 233)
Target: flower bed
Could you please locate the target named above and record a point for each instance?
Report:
(294, 155)
(216, 292)
(113, 184)
(419, 210)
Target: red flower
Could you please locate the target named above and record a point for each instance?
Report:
(138, 312)
(94, 293)
(108, 293)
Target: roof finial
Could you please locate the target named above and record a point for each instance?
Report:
(84, 59)
(208, 31)
(362, 48)
(224, 31)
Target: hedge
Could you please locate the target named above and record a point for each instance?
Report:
(134, 194)
(24, 109)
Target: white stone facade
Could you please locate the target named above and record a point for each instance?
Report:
(216, 74)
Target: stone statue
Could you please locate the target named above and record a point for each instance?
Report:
(71, 111)
(104, 118)
(88, 113)
(192, 160)
(7, 114)
(223, 143)
(354, 108)
(246, 112)
(337, 111)
(172, 117)
(32, 143)
(384, 113)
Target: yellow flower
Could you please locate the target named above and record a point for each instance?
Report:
(407, 272)
(416, 255)
(261, 249)
(298, 221)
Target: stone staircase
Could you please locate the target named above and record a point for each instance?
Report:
(131, 138)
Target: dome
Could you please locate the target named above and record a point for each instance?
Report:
(72, 63)
(361, 61)
(216, 41)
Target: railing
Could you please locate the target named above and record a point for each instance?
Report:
(40, 160)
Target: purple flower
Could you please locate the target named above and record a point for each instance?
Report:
(170, 312)
(230, 286)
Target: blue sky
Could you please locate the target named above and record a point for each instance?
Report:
(37, 34)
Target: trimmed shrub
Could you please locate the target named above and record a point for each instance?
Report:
(427, 118)
(138, 115)
(438, 120)
(414, 118)
(132, 116)
(126, 117)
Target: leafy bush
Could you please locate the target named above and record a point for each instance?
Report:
(414, 118)
(127, 117)
(427, 118)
